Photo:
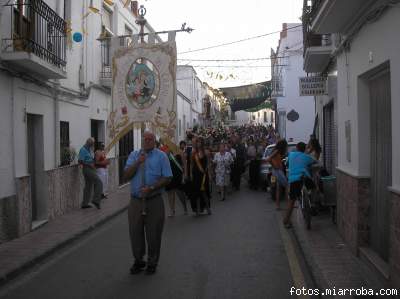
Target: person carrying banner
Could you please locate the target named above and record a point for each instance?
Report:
(149, 171)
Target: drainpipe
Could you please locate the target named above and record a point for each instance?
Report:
(13, 126)
(56, 92)
(2, 8)
(82, 49)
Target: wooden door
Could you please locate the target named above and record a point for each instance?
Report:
(381, 162)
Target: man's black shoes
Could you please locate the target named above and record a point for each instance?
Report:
(140, 266)
(137, 267)
(97, 205)
(150, 270)
(86, 207)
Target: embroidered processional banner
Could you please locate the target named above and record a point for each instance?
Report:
(143, 90)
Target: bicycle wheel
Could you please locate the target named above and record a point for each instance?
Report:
(306, 208)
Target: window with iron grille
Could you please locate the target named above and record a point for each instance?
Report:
(107, 18)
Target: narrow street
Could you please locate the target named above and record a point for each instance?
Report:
(238, 252)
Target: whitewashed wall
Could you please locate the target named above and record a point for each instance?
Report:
(7, 186)
(78, 103)
(379, 38)
(185, 80)
(242, 117)
(183, 116)
(259, 117)
(292, 70)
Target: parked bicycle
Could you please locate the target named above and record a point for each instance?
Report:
(306, 202)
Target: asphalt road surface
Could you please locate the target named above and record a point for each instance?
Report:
(238, 252)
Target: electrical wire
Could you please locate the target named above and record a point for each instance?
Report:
(238, 66)
(233, 60)
(239, 41)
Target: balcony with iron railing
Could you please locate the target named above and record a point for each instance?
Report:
(338, 16)
(317, 52)
(106, 57)
(277, 87)
(36, 41)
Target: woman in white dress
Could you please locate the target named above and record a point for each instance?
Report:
(222, 161)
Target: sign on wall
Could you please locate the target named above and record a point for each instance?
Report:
(144, 89)
(312, 86)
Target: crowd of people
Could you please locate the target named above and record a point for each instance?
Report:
(208, 159)
(215, 158)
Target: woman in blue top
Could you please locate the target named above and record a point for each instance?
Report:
(299, 164)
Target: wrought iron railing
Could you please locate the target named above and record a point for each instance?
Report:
(37, 29)
(317, 40)
(315, 6)
(105, 45)
(311, 39)
(106, 59)
(277, 86)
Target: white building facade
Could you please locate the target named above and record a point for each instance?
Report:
(265, 117)
(55, 93)
(295, 114)
(362, 66)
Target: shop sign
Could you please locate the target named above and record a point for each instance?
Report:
(312, 86)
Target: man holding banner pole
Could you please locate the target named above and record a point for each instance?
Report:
(149, 171)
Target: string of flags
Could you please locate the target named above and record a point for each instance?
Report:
(219, 76)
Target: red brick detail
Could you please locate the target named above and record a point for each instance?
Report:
(394, 255)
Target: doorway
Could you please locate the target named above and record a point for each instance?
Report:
(36, 167)
(97, 131)
(329, 138)
(126, 146)
(381, 161)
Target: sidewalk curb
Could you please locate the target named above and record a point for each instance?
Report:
(4, 279)
(314, 271)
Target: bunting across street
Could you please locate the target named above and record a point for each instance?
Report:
(247, 96)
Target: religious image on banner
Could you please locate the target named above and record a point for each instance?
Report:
(142, 83)
(144, 90)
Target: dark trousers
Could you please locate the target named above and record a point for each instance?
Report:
(91, 180)
(147, 228)
(237, 174)
(254, 169)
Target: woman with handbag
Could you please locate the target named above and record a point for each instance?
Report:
(200, 178)
(175, 187)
